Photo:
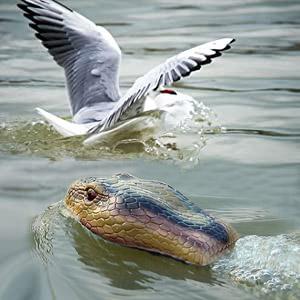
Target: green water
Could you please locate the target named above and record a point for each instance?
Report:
(249, 174)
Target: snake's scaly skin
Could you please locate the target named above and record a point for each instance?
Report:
(149, 215)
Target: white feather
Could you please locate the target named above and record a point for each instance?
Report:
(65, 128)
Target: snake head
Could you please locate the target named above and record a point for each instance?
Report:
(149, 215)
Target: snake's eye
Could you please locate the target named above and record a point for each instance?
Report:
(91, 194)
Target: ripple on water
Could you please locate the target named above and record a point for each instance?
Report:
(268, 265)
(181, 143)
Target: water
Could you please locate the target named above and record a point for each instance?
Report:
(244, 167)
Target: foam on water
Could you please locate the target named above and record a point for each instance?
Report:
(143, 135)
(269, 262)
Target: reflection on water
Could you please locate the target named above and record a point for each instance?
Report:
(126, 268)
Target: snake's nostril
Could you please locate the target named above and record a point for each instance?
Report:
(91, 194)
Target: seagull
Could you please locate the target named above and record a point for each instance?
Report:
(91, 59)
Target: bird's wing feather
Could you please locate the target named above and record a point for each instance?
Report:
(88, 53)
(173, 69)
(64, 127)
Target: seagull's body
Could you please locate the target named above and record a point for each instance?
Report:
(91, 58)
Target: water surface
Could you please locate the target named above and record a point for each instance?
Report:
(247, 168)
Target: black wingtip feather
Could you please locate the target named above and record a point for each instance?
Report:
(217, 54)
(33, 26)
(206, 62)
(40, 37)
(49, 29)
(29, 16)
(24, 6)
(66, 7)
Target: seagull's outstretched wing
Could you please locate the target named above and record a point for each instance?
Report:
(173, 69)
(88, 53)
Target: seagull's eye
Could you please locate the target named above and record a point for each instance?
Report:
(91, 194)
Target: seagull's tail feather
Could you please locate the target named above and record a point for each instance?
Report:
(65, 128)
